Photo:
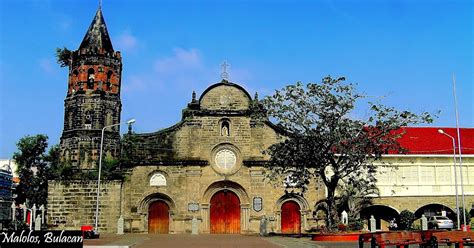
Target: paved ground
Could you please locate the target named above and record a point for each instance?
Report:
(206, 240)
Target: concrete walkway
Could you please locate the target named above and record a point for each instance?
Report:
(205, 240)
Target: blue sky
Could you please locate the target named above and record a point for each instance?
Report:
(403, 53)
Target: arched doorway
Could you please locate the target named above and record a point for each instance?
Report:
(434, 210)
(382, 215)
(225, 212)
(158, 217)
(290, 217)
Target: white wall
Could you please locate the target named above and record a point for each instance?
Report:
(411, 175)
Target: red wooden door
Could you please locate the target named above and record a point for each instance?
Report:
(290, 217)
(225, 212)
(158, 217)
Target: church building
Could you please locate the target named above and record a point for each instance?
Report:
(209, 166)
(206, 170)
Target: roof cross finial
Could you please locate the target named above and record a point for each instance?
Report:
(225, 74)
(100, 4)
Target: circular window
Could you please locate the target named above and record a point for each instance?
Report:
(226, 159)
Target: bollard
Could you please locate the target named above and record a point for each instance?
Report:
(38, 223)
(263, 226)
(13, 211)
(42, 213)
(120, 225)
(194, 226)
(344, 218)
(424, 223)
(23, 207)
(372, 224)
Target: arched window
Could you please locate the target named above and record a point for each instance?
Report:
(90, 78)
(157, 179)
(225, 128)
(109, 77)
(75, 74)
(88, 120)
(73, 81)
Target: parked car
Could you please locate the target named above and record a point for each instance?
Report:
(440, 222)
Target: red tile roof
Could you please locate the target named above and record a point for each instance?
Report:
(427, 140)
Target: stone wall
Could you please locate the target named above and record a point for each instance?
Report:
(72, 206)
(225, 97)
(188, 184)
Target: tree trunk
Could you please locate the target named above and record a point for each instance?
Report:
(332, 210)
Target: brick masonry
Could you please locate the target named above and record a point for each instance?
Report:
(73, 205)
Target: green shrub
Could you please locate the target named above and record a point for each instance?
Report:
(468, 217)
(356, 224)
(406, 220)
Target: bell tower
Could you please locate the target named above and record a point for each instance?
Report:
(93, 98)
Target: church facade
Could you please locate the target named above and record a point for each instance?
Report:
(208, 167)
(207, 171)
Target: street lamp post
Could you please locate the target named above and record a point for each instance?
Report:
(130, 122)
(464, 228)
(455, 175)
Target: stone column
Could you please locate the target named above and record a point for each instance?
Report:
(144, 217)
(172, 225)
(205, 215)
(244, 217)
(278, 221)
(304, 220)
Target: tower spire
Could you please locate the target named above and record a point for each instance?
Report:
(93, 98)
(97, 36)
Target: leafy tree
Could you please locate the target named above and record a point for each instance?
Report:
(58, 170)
(325, 141)
(32, 169)
(62, 56)
(355, 197)
(406, 220)
(111, 169)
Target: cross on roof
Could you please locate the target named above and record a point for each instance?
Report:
(225, 74)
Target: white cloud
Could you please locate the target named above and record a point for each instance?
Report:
(181, 72)
(181, 61)
(126, 41)
(135, 83)
(239, 75)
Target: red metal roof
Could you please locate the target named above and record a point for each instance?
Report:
(427, 140)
